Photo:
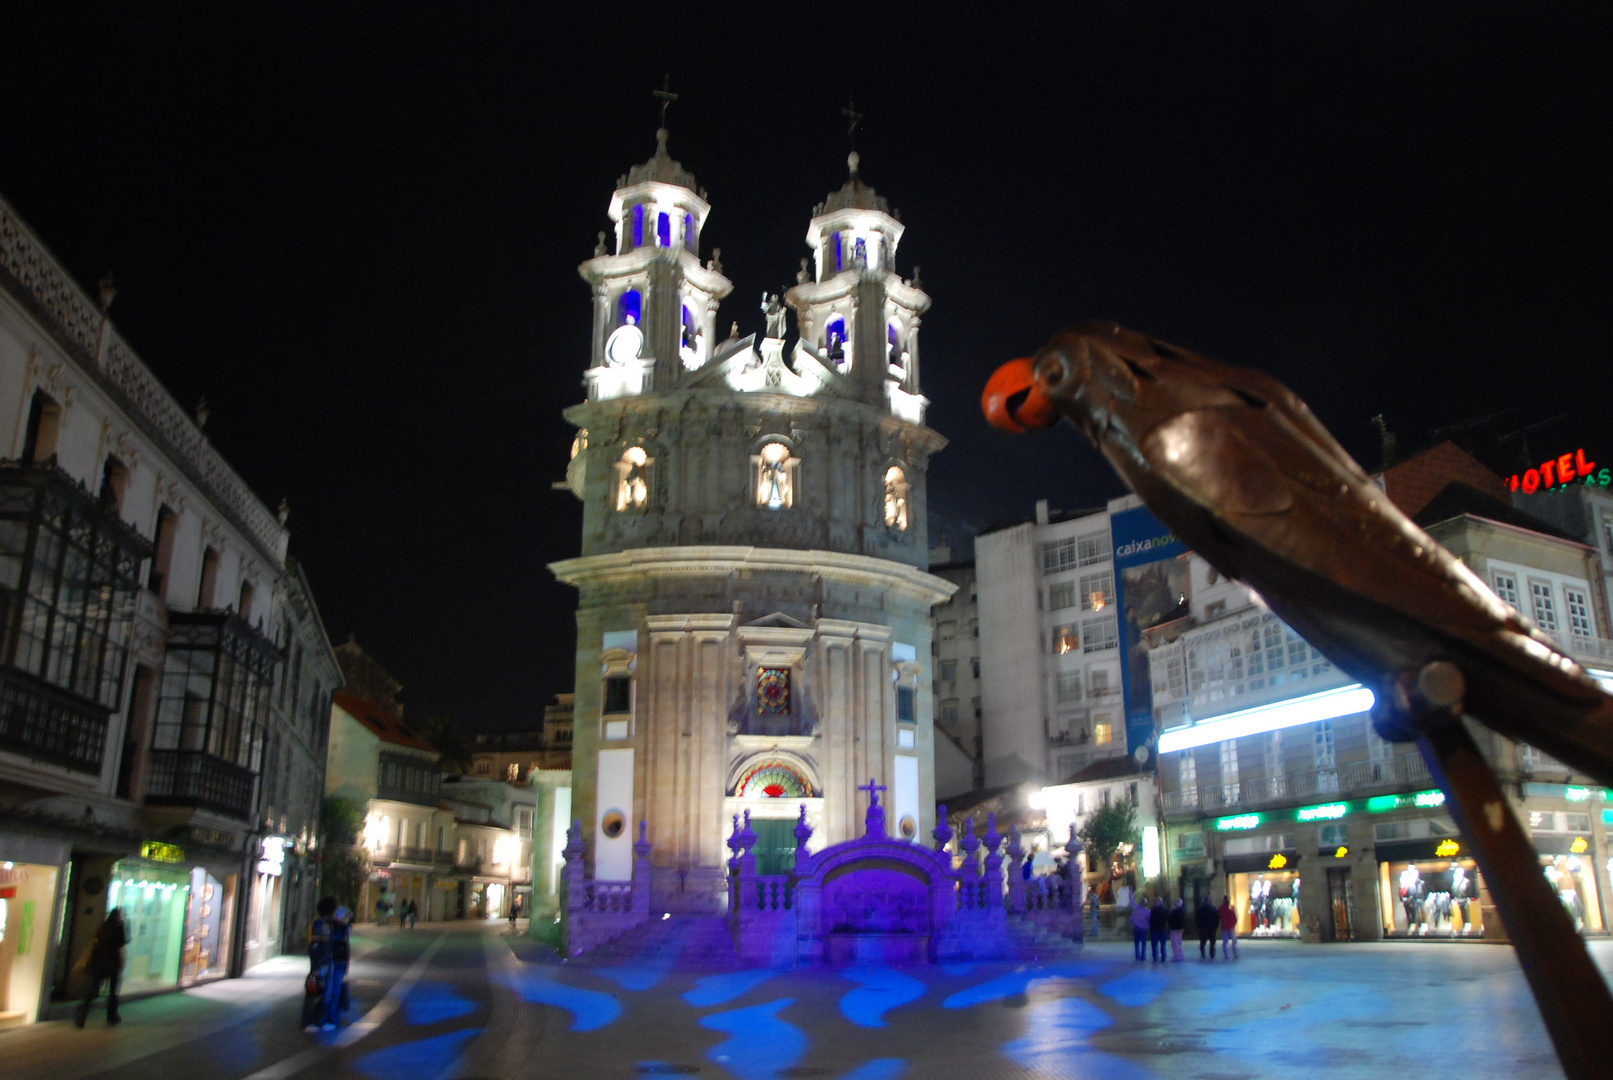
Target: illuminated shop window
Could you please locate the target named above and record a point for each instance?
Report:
(773, 691)
(632, 485)
(895, 498)
(775, 477)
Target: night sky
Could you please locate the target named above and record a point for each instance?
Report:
(356, 232)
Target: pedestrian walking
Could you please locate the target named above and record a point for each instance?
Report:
(1177, 921)
(105, 966)
(327, 938)
(1158, 927)
(412, 911)
(1229, 929)
(383, 910)
(1208, 921)
(1140, 916)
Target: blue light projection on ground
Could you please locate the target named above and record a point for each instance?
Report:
(422, 1057)
(634, 976)
(760, 1044)
(878, 1069)
(1136, 989)
(882, 989)
(721, 989)
(1056, 1031)
(590, 1009)
(433, 1002)
(1016, 982)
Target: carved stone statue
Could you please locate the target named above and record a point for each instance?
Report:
(775, 313)
(803, 275)
(599, 247)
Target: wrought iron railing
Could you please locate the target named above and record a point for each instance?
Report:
(1404, 770)
(395, 853)
(193, 778)
(49, 724)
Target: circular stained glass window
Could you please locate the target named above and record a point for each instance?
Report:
(773, 780)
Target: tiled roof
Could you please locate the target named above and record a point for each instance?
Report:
(1106, 769)
(1412, 484)
(383, 723)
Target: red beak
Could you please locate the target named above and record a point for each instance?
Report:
(1012, 400)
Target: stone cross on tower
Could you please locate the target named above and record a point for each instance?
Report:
(666, 95)
(874, 823)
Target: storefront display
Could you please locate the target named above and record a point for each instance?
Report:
(153, 900)
(26, 895)
(1574, 883)
(1267, 903)
(1428, 888)
(207, 926)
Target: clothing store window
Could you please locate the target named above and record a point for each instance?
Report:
(1267, 903)
(1430, 898)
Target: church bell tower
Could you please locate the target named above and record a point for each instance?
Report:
(753, 625)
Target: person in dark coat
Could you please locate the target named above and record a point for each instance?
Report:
(1159, 921)
(1208, 921)
(106, 966)
(328, 939)
(1178, 926)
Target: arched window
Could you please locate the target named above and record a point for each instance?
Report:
(896, 498)
(839, 254)
(861, 258)
(687, 340)
(638, 225)
(205, 592)
(775, 477)
(663, 230)
(894, 340)
(632, 479)
(834, 341)
(690, 240)
(772, 779)
(44, 427)
(629, 307)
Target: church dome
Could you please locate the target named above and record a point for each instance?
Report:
(855, 195)
(660, 169)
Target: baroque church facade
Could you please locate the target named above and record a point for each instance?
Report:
(753, 623)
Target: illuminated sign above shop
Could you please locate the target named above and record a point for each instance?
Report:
(273, 855)
(1341, 853)
(1324, 705)
(1579, 845)
(1322, 813)
(1278, 861)
(1448, 848)
(158, 852)
(1242, 821)
(1560, 470)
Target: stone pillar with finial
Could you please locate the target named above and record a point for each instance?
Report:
(1072, 874)
(572, 889)
(969, 872)
(803, 833)
(993, 897)
(745, 876)
(943, 828)
(1016, 869)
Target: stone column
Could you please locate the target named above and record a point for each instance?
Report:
(1016, 865)
(994, 864)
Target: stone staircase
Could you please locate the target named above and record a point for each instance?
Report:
(682, 941)
(1029, 941)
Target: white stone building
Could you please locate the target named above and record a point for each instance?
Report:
(163, 677)
(754, 615)
(1050, 683)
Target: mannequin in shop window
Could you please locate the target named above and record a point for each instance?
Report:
(1462, 893)
(1411, 894)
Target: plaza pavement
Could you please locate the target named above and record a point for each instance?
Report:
(439, 1003)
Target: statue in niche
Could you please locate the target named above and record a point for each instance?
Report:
(775, 313)
(895, 498)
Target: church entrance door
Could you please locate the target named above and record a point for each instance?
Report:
(775, 845)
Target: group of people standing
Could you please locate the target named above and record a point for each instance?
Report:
(1152, 925)
(408, 913)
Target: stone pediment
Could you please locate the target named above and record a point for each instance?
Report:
(778, 618)
(730, 359)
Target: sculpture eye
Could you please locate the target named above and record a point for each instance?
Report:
(1138, 370)
(1162, 349)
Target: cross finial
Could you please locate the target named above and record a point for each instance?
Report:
(666, 95)
(873, 790)
(854, 118)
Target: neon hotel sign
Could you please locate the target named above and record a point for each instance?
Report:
(1563, 469)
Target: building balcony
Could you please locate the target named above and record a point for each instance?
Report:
(1406, 771)
(395, 793)
(194, 778)
(47, 724)
(1588, 648)
(419, 856)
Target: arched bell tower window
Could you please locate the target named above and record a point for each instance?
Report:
(893, 349)
(690, 240)
(775, 477)
(633, 479)
(839, 253)
(629, 307)
(638, 225)
(896, 509)
(663, 230)
(834, 342)
(687, 339)
(861, 257)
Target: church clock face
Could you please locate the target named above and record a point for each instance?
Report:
(624, 344)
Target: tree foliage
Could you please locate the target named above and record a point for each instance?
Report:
(453, 745)
(343, 866)
(340, 821)
(1108, 828)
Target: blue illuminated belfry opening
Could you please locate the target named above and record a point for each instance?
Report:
(688, 339)
(838, 253)
(834, 335)
(663, 229)
(629, 307)
(862, 252)
(638, 225)
(895, 344)
(688, 232)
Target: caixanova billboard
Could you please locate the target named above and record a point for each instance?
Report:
(1152, 587)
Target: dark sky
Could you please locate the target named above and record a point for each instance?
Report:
(357, 233)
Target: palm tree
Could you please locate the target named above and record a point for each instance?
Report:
(454, 747)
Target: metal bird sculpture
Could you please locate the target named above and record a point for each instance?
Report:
(1236, 464)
